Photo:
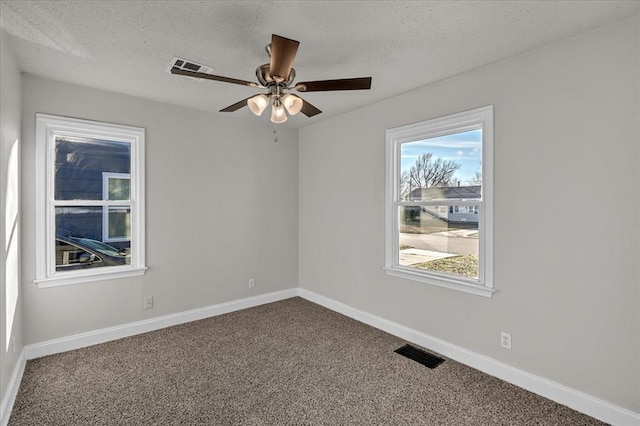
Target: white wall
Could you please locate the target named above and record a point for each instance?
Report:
(221, 208)
(567, 210)
(11, 300)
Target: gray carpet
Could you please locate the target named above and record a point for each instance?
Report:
(285, 363)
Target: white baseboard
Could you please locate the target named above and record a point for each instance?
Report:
(90, 338)
(564, 395)
(579, 401)
(6, 405)
(82, 340)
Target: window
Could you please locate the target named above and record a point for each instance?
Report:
(90, 201)
(439, 226)
(116, 220)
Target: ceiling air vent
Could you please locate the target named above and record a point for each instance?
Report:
(185, 64)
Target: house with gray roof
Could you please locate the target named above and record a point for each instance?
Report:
(450, 214)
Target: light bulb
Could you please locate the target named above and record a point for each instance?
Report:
(292, 103)
(277, 113)
(258, 103)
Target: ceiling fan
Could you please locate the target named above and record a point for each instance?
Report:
(277, 77)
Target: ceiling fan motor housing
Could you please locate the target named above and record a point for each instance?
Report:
(266, 79)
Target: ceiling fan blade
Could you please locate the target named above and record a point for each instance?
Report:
(205, 76)
(362, 83)
(283, 53)
(308, 109)
(237, 105)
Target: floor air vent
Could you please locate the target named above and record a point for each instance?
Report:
(420, 356)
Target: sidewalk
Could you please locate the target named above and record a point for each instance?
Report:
(414, 256)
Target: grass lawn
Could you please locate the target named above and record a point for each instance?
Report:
(462, 266)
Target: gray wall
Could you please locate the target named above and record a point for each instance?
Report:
(221, 207)
(566, 158)
(9, 213)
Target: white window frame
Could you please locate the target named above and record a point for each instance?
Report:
(48, 127)
(105, 209)
(479, 118)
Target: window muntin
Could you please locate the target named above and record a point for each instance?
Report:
(439, 209)
(90, 196)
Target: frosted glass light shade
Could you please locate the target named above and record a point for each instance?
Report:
(292, 103)
(258, 103)
(278, 115)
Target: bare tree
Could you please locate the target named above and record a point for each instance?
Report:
(477, 179)
(428, 173)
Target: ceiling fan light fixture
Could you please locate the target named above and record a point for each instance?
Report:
(292, 103)
(258, 104)
(278, 115)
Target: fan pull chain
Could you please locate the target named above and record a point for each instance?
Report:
(275, 134)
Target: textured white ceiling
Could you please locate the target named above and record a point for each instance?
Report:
(126, 46)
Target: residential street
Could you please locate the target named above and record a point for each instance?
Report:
(453, 242)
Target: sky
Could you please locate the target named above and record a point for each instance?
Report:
(464, 148)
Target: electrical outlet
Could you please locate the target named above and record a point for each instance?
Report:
(505, 340)
(252, 282)
(148, 302)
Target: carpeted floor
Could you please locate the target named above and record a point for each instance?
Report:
(285, 363)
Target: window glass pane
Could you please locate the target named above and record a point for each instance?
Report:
(80, 162)
(442, 239)
(85, 222)
(118, 189)
(119, 222)
(78, 230)
(441, 168)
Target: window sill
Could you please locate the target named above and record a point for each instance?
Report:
(476, 289)
(80, 278)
